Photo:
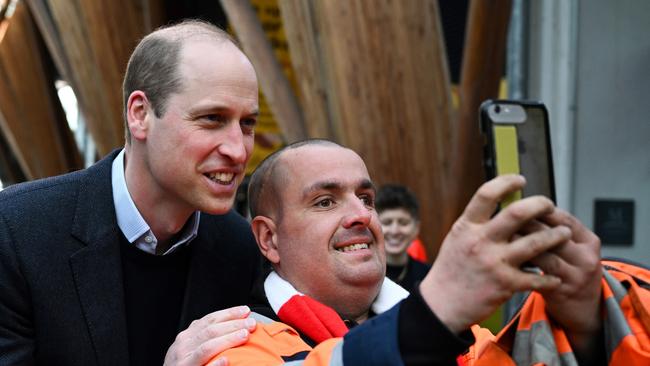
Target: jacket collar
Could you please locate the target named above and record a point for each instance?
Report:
(314, 319)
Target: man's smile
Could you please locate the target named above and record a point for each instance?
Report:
(221, 177)
(353, 247)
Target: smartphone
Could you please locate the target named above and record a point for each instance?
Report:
(517, 140)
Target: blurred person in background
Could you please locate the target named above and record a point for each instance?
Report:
(398, 211)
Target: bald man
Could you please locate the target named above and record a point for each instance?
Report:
(315, 223)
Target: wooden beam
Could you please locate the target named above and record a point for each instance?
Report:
(482, 69)
(50, 34)
(301, 31)
(10, 171)
(386, 90)
(32, 119)
(92, 41)
(274, 84)
(153, 14)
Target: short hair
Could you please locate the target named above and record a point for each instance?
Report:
(153, 65)
(394, 196)
(263, 192)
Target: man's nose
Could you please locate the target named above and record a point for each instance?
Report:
(233, 145)
(358, 215)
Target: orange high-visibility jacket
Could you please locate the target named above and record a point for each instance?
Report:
(274, 343)
(530, 338)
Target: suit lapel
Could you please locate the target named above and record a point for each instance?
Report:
(97, 267)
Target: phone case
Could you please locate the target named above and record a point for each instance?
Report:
(517, 140)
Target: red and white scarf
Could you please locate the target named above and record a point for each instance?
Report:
(318, 321)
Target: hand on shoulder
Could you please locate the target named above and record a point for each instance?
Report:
(210, 335)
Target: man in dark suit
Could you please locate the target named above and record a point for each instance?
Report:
(106, 265)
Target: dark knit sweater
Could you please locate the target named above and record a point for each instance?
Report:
(154, 288)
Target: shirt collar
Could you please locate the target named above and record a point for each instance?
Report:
(279, 291)
(131, 222)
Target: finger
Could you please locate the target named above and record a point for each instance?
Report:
(531, 227)
(236, 312)
(553, 264)
(532, 245)
(215, 330)
(585, 249)
(569, 252)
(212, 347)
(580, 232)
(517, 215)
(482, 205)
(526, 281)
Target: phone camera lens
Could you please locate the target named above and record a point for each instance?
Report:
(497, 109)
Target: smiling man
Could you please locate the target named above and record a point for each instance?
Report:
(107, 265)
(314, 218)
(320, 232)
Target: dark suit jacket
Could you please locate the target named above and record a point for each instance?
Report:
(61, 294)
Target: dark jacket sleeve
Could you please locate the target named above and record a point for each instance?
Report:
(407, 334)
(16, 328)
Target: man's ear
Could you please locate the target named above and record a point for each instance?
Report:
(265, 234)
(137, 109)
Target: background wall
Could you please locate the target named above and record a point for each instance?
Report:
(613, 115)
(590, 62)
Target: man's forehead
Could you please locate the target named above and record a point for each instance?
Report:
(337, 186)
(318, 157)
(325, 167)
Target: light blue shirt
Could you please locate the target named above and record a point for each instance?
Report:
(133, 226)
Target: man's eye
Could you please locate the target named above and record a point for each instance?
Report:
(214, 117)
(249, 122)
(367, 200)
(325, 203)
(248, 125)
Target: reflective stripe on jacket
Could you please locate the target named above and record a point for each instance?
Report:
(532, 339)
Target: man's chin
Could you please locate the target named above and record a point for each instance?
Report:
(219, 206)
(366, 277)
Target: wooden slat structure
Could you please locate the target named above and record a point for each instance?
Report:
(31, 119)
(92, 41)
(482, 69)
(384, 90)
(371, 74)
(274, 84)
(299, 25)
